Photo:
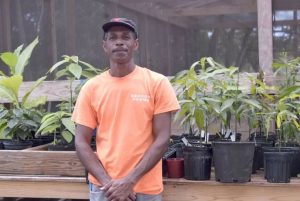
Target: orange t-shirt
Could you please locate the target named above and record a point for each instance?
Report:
(122, 109)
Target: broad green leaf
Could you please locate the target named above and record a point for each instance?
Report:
(50, 129)
(253, 103)
(69, 124)
(17, 51)
(33, 87)
(53, 119)
(24, 57)
(9, 87)
(1, 73)
(75, 69)
(68, 136)
(200, 118)
(12, 123)
(62, 72)
(29, 123)
(227, 104)
(56, 65)
(32, 103)
(3, 113)
(9, 59)
(74, 59)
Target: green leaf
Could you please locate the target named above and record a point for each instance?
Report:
(50, 129)
(253, 103)
(68, 136)
(9, 59)
(33, 87)
(227, 104)
(3, 113)
(200, 119)
(32, 103)
(24, 57)
(48, 121)
(9, 87)
(56, 65)
(97, 71)
(12, 123)
(69, 124)
(75, 69)
(17, 51)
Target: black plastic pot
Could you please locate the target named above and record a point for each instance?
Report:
(197, 162)
(16, 145)
(233, 161)
(61, 147)
(1, 146)
(277, 166)
(258, 160)
(295, 158)
(179, 149)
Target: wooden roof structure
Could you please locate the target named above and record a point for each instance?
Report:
(220, 13)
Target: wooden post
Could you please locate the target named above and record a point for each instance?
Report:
(5, 28)
(265, 36)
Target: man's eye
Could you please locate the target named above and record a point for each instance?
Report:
(126, 37)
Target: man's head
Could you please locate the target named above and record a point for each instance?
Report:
(120, 40)
(119, 22)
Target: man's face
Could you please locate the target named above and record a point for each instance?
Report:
(119, 44)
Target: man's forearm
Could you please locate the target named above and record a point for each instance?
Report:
(149, 160)
(92, 163)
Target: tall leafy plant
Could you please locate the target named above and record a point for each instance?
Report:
(22, 118)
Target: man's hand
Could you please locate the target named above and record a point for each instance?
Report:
(119, 190)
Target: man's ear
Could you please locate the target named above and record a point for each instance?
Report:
(104, 46)
(136, 44)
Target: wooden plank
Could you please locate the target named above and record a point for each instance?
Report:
(218, 8)
(46, 189)
(156, 11)
(286, 4)
(59, 163)
(53, 90)
(227, 192)
(265, 36)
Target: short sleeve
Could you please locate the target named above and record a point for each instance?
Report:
(165, 97)
(84, 113)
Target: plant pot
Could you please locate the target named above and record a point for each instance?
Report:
(61, 147)
(294, 157)
(277, 166)
(179, 149)
(258, 160)
(233, 161)
(16, 145)
(197, 162)
(1, 146)
(170, 153)
(175, 167)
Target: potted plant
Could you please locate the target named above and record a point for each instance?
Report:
(59, 124)
(282, 161)
(233, 160)
(196, 114)
(20, 121)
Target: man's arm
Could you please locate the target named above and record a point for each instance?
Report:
(86, 155)
(161, 129)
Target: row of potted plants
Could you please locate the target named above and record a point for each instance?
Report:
(211, 94)
(25, 122)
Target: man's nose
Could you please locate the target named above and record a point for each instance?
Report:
(119, 42)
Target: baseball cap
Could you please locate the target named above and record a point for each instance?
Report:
(120, 21)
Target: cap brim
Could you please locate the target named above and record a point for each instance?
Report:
(108, 25)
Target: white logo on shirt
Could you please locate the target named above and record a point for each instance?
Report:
(140, 97)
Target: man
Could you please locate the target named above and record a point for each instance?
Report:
(131, 108)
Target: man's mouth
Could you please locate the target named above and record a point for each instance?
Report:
(120, 50)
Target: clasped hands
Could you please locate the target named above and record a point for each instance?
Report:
(119, 190)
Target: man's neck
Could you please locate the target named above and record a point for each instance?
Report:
(121, 70)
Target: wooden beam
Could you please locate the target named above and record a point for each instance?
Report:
(218, 8)
(6, 25)
(265, 35)
(57, 163)
(49, 188)
(286, 4)
(154, 11)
